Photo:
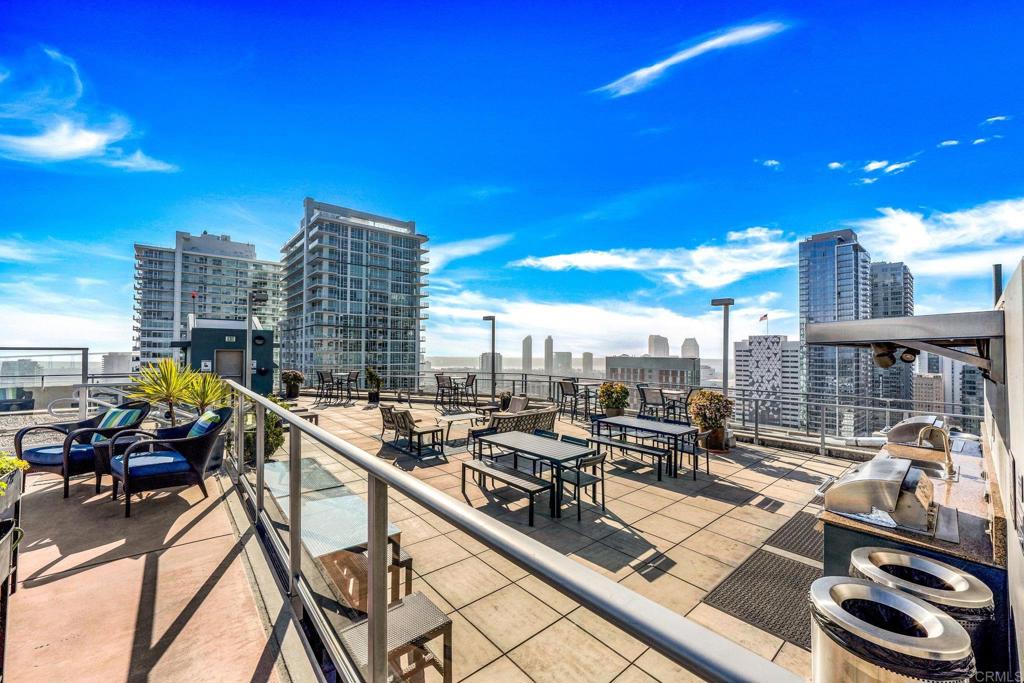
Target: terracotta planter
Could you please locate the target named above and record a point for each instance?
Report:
(716, 440)
(614, 412)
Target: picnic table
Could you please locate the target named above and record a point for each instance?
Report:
(556, 453)
(677, 433)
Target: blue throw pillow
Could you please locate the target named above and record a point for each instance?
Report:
(114, 418)
(205, 423)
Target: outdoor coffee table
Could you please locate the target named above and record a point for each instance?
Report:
(456, 417)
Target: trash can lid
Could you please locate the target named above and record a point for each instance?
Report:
(931, 580)
(889, 619)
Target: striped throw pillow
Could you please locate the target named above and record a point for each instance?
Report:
(116, 417)
(205, 423)
(8, 393)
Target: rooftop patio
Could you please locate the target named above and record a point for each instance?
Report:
(673, 541)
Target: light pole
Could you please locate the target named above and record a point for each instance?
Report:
(725, 304)
(491, 318)
(256, 296)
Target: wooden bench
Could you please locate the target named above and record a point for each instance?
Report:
(655, 453)
(527, 483)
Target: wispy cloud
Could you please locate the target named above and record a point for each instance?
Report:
(835, 165)
(17, 249)
(868, 181)
(443, 254)
(899, 167)
(979, 141)
(875, 165)
(746, 252)
(773, 164)
(643, 78)
(948, 143)
(43, 119)
(949, 244)
(995, 119)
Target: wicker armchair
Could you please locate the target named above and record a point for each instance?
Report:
(76, 454)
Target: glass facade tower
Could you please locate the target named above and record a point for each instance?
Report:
(892, 296)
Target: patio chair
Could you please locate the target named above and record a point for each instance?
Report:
(517, 404)
(577, 476)
(76, 454)
(445, 390)
(388, 422)
(408, 427)
(322, 387)
(350, 381)
(15, 398)
(652, 402)
(567, 397)
(467, 389)
(177, 456)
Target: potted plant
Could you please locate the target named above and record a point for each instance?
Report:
(292, 380)
(163, 382)
(373, 383)
(273, 432)
(207, 390)
(614, 397)
(709, 410)
(11, 480)
(504, 399)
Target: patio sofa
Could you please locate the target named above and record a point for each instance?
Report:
(15, 398)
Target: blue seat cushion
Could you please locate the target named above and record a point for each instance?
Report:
(54, 454)
(150, 464)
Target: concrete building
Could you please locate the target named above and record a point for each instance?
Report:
(549, 355)
(354, 294)
(666, 372)
(690, 348)
(210, 275)
(928, 390)
(588, 363)
(657, 346)
(768, 367)
(892, 296)
(116, 366)
(527, 353)
(563, 363)
(834, 284)
(485, 362)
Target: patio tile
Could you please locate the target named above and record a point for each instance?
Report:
(506, 567)
(647, 499)
(471, 650)
(740, 632)
(738, 530)
(416, 529)
(691, 514)
(796, 659)
(548, 595)
(661, 587)
(421, 586)
(755, 515)
(614, 637)
(634, 674)
(509, 616)
(719, 547)
(693, 567)
(664, 669)
(627, 512)
(474, 546)
(565, 652)
(594, 524)
(435, 553)
(665, 527)
(465, 581)
(562, 538)
(605, 560)
(501, 670)
(643, 548)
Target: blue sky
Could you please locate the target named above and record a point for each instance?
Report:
(597, 172)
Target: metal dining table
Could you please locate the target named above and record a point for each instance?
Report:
(556, 453)
(678, 433)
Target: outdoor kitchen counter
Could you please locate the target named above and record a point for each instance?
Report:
(977, 501)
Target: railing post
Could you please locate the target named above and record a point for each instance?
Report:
(294, 514)
(261, 437)
(376, 599)
(821, 447)
(757, 422)
(83, 402)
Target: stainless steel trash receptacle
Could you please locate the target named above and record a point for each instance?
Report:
(862, 632)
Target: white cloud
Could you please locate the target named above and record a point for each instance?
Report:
(643, 78)
(899, 167)
(996, 119)
(89, 282)
(753, 250)
(958, 243)
(875, 165)
(18, 251)
(868, 181)
(948, 143)
(835, 165)
(979, 141)
(442, 254)
(43, 119)
(771, 163)
(603, 327)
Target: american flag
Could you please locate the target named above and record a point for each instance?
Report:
(762, 318)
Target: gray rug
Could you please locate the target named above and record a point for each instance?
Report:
(770, 592)
(800, 537)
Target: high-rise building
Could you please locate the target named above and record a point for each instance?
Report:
(485, 362)
(549, 355)
(657, 346)
(768, 367)
(563, 363)
(354, 294)
(665, 372)
(210, 275)
(928, 392)
(528, 353)
(116, 365)
(588, 363)
(835, 285)
(690, 348)
(892, 296)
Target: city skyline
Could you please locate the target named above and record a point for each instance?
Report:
(548, 232)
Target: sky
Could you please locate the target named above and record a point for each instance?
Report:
(593, 171)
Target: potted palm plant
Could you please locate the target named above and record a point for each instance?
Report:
(292, 381)
(163, 382)
(373, 383)
(207, 390)
(614, 398)
(710, 410)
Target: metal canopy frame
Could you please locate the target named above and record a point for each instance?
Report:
(944, 334)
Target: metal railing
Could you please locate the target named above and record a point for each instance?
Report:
(694, 647)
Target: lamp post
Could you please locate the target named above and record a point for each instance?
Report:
(491, 318)
(256, 296)
(725, 304)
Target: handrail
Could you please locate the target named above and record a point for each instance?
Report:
(692, 646)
